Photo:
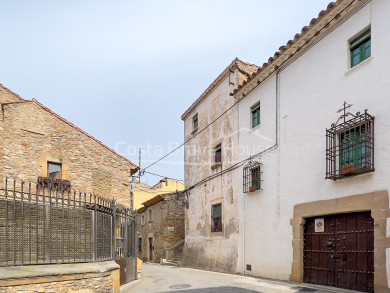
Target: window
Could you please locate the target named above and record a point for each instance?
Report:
(360, 48)
(216, 218)
(54, 170)
(218, 154)
(252, 176)
(195, 122)
(142, 220)
(255, 177)
(350, 146)
(139, 244)
(255, 115)
(150, 216)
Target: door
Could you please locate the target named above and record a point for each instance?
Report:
(339, 251)
(150, 249)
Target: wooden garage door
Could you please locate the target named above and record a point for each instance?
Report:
(339, 251)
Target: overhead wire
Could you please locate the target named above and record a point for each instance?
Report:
(227, 110)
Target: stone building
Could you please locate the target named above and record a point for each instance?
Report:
(36, 142)
(212, 216)
(160, 226)
(143, 192)
(38, 145)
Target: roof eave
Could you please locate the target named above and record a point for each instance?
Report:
(309, 34)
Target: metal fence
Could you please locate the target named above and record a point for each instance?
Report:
(45, 223)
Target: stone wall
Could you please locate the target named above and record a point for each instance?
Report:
(203, 248)
(92, 285)
(31, 135)
(98, 277)
(168, 212)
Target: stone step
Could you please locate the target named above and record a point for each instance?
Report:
(171, 263)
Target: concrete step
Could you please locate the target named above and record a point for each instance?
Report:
(171, 263)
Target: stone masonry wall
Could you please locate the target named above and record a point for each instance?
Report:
(93, 285)
(32, 136)
(168, 212)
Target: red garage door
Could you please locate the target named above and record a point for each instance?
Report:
(339, 251)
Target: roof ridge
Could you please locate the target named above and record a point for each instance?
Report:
(79, 129)
(283, 48)
(215, 81)
(11, 92)
(72, 125)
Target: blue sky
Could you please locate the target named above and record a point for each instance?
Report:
(125, 71)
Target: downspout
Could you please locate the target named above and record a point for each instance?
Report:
(277, 142)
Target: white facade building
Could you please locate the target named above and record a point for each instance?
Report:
(300, 91)
(312, 189)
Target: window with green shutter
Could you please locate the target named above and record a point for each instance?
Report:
(360, 48)
(255, 113)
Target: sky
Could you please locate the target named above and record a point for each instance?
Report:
(125, 71)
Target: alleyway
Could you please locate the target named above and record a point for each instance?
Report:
(157, 278)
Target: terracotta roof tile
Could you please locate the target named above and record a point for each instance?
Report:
(244, 67)
(305, 30)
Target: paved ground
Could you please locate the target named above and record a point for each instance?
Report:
(157, 278)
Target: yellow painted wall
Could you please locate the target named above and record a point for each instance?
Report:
(143, 192)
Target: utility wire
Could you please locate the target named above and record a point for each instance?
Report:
(276, 69)
(163, 176)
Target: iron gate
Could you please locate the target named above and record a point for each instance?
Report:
(339, 251)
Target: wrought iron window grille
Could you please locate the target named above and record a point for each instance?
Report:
(350, 145)
(252, 176)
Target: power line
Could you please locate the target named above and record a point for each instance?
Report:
(192, 137)
(276, 69)
(163, 176)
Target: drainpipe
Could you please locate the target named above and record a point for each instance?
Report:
(277, 139)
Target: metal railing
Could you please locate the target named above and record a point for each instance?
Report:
(41, 224)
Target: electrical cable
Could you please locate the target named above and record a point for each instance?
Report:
(163, 176)
(223, 113)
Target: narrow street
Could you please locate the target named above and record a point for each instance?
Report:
(158, 278)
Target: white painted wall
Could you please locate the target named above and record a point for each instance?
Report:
(312, 89)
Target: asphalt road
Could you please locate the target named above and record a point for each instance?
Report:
(158, 278)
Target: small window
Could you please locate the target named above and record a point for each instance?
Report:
(195, 122)
(54, 170)
(216, 218)
(252, 176)
(360, 48)
(218, 154)
(139, 244)
(255, 115)
(142, 220)
(150, 216)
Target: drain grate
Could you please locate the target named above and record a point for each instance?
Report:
(180, 286)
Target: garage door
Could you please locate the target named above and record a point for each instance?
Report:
(339, 251)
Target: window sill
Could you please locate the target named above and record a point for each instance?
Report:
(345, 177)
(216, 165)
(219, 233)
(194, 131)
(366, 61)
(256, 127)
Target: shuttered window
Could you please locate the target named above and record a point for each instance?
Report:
(360, 48)
(255, 113)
